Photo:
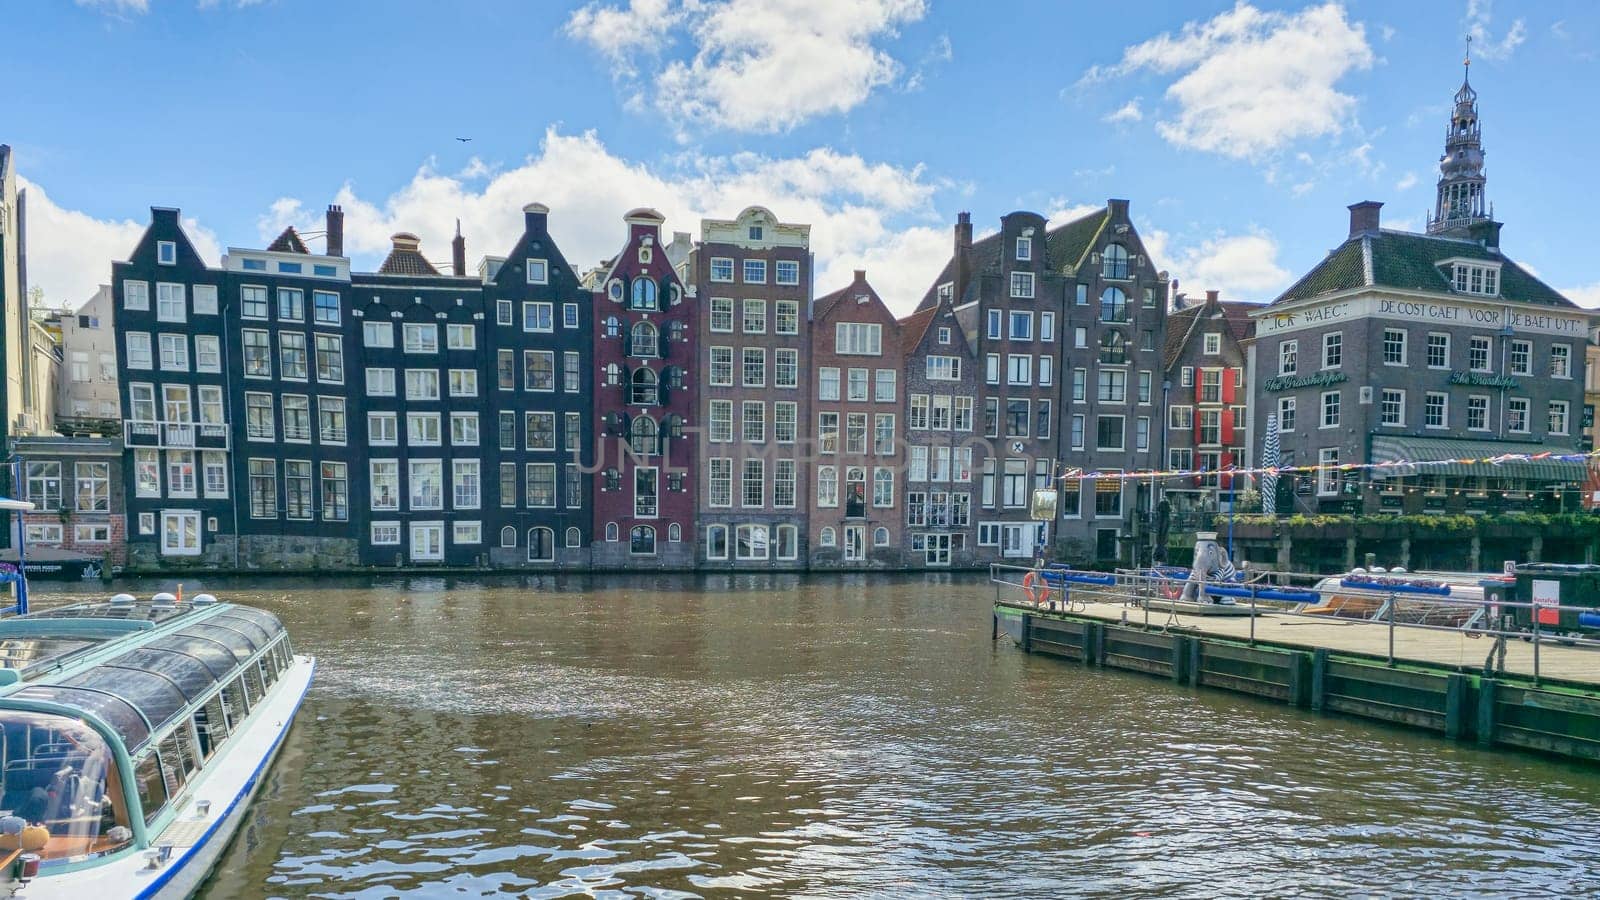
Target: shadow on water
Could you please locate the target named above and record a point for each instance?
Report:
(859, 735)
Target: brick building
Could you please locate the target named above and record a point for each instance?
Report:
(753, 277)
(943, 444)
(857, 358)
(1206, 393)
(76, 487)
(646, 331)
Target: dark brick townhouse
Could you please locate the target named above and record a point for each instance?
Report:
(1206, 393)
(1069, 323)
(944, 443)
(752, 277)
(857, 358)
(645, 402)
(76, 487)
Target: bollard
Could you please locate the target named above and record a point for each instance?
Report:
(1391, 630)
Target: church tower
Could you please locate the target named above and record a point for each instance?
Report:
(1460, 203)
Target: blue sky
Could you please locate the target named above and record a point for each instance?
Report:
(1239, 132)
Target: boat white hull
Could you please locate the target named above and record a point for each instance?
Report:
(229, 784)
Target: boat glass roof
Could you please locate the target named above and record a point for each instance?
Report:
(191, 676)
(237, 641)
(144, 612)
(116, 712)
(153, 695)
(216, 656)
(23, 654)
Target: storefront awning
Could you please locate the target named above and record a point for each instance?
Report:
(1397, 448)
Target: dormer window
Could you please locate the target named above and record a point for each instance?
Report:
(614, 290)
(1475, 278)
(755, 232)
(538, 271)
(1024, 249)
(947, 291)
(644, 293)
(167, 253)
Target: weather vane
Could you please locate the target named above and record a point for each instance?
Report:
(1468, 61)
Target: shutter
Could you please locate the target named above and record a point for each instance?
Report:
(664, 292)
(626, 331)
(1196, 424)
(1227, 426)
(1199, 379)
(664, 339)
(664, 387)
(1226, 481)
(1227, 386)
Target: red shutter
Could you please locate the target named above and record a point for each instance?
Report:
(1227, 386)
(1225, 482)
(1227, 426)
(1199, 379)
(1196, 424)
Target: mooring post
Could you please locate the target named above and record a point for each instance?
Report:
(1535, 611)
(1252, 617)
(1486, 695)
(1391, 629)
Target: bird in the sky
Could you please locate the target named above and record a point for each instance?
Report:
(463, 140)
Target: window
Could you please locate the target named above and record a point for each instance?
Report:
(292, 355)
(1211, 343)
(539, 370)
(259, 421)
(1024, 249)
(386, 534)
(171, 305)
(753, 419)
(1022, 285)
(721, 421)
(1333, 350)
(787, 315)
(755, 271)
(858, 339)
(569, 315)
(538, 316)
(1146, 383)
(1327, 471)
(572, 431)
(1521, 358)
(1114, 262)
(1391, 408)
(1021, 326)
(422, 384)
(716, 542)
(1477, 413)
(377, 334)
(719, 482)
(175, 352)
(1517, 415)
(788, 271)
(1561, 361)
(753, 484)
(754, 320)
(466, 532)
(381, 429)
(1286, 413)
(1394, 347)
(883, 485)
(721, 314)
(721, 374)
(644, 294)
(1041, 428)
(995, 318)
(504, 313)
(136, 295)
(1019, 369)
(1438, 350)
(1113, 348)
(263, 488)
(422, 429)
(541, 430)
(463, 382)
(645, 486)
(788, 542)
(180, 536)
(537, 270)
(1478, 358)
(43, 534)
(331, 426)
(380, 382)
(1558, 416)
(827, 486)
(644, 436)
(296, 489)
(465, 479)
(253, 301)
(1109, 432)
(44, 485)
(421, 338)
(1113, 305)
(426, 477)
(786, 368)
(883, 387)
(826, 537)
(1017, 415)
(721, 269)
(961, 418)
(139, 355)
(1330, 409)
(855, 433)
(783, 483)
(1113, 386)
(883, 434)
(1288, 357)
(1436, 410)
(385, 478)
(460, 337)
(1470, 279)
(330, 359)
(755, 367)
(785, 416)
(291, 305)
(1141, 434)
(464, 429)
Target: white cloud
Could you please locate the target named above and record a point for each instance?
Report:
(1128, 112)
(1062, 212)
(1406, 182)
(757, 65)
(863, 215)
(117, 7)
(1253, 82)
(1241, 266)
(1585, 295)
(1480, 13)
(70, 252)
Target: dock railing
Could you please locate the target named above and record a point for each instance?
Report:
(1073, 590)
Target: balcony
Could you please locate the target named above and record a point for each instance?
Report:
(175, 435)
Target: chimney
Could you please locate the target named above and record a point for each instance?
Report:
(861, 276)
(335, 230)
(535, 217)
(1118, 208)
(458, 253)
(963, 255)
(1211, 298)
(1364, 217)
(1486, 233)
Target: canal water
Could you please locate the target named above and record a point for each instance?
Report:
(830, 737)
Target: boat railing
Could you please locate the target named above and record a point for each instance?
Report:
(1139, 593)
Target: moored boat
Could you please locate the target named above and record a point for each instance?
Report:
(136, 734)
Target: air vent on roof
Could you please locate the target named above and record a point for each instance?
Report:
(204, 599)
(163, 599)
(121, 601)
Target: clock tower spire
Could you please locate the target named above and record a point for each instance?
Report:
(1460, 202)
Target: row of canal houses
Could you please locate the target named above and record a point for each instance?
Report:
(686, 404)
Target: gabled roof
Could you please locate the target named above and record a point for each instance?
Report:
(1064, 245)
(1237, 314)
(1179, 323)
(288, 242)
(914, 327)
(406, 258)
(1183, 324)
(1414, 262)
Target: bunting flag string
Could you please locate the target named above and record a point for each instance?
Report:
(1077, 474)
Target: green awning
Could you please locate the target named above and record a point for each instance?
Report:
(1393, 447)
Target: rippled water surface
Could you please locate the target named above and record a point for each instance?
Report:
(683, 736)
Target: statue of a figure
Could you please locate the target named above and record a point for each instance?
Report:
(1211, 564)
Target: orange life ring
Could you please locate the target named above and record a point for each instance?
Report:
(1028, 582)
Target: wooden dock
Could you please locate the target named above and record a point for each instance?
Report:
(1435, 680)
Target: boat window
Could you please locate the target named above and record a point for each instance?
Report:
(191, 676)
(252, 681)
(150, 785)
(233, 700)
(258, 635)
(151, 694)
(269, 666)
(172, 768)
(212, 726)
(114, 711)
(285, 654)
(216, 656)
(60, 773)
(179, 752)
(243, 648)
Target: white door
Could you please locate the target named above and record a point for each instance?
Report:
(855, 543)
(427, 541)
(937, 551)
(180, 533)
(1017, 540)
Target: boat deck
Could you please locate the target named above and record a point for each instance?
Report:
(1440, 647)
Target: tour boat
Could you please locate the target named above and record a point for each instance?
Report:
(135, 735)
